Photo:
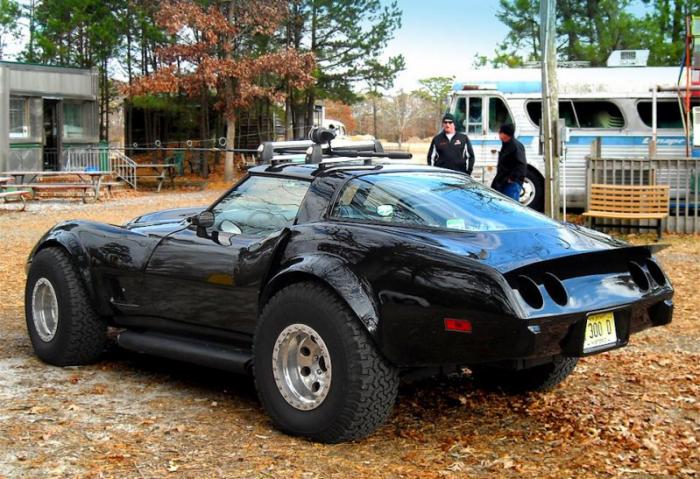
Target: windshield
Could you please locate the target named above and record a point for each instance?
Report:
(436, 200)
(260, 205)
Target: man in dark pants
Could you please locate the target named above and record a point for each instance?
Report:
(450, 149)
(512, 165)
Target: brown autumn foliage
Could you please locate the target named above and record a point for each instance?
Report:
(633, 412)
(341, 112)
(214, 50)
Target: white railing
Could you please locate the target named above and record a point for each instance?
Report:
(681, 174)
(81, 159)
(100, 159)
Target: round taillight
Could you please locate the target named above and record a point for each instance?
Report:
(556, 289)
(638, 276)
(656, 273)
(530, 292)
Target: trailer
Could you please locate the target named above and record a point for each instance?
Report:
(45, 110)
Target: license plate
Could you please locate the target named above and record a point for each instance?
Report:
(600, 331)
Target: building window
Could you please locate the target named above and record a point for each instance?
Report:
(19, 118)
(75, 118)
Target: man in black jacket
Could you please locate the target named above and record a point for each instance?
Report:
(512, 165)
(450, 149)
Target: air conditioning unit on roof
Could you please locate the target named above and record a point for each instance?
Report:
(628, 58)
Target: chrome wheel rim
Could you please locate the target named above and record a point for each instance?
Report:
(528, 192)
(301, 366)
(45, 309)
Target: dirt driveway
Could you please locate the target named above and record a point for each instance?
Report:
(631, 413)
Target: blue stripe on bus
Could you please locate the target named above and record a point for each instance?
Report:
(627, 140)
(607, 140)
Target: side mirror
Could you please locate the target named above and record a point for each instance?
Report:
(205, 219)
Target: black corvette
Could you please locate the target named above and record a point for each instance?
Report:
(327, 281)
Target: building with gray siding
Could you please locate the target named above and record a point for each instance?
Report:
(43, 111)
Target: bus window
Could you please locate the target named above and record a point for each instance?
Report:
(668, 114)
(475, 122)
(566, 111)
(498, 114)
(598, 114)
(460, 114)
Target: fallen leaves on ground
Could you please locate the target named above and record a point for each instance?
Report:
(633, 412)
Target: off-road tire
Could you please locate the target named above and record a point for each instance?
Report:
(81, 333)
(363, 385)
(538, 378)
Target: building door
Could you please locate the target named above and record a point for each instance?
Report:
(52, 135)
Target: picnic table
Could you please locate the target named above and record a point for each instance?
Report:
(5, 195)
(163, 171)
(87, 180)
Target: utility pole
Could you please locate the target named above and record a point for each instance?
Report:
(549, 125)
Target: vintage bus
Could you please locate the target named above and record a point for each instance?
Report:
(613, 104)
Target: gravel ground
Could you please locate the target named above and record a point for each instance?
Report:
(633, 412)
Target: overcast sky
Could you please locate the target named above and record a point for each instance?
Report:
(441, 38)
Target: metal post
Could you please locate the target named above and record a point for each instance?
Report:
(550, 107)
(652, 144)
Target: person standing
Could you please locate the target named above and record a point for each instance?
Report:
(450, 149)
(512, 164)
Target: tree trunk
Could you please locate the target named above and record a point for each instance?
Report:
(203, 131)
(374, 117)
(230, 142)
(288, 125)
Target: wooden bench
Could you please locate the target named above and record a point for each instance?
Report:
(626, 202)
(19, 194)
(36, 187)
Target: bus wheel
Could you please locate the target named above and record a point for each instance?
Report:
(532, 194)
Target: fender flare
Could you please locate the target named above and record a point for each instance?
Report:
(61, 236)
(66, 236)
(335, 273)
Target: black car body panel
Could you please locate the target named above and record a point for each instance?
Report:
(161, 273)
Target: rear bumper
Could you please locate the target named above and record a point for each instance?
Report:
(515, 340)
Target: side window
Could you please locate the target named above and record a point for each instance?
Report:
(534, 111)
(78, 119)
(599, 114)
(460, 114)
(475, 123)
(469, 116)
(668, 114)
(498, 114)
(19, 118)
(260, 206)
(566, 111)
(364, 200)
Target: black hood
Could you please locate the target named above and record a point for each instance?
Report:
(174, 215)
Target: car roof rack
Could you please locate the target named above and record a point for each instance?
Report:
(318, 150)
